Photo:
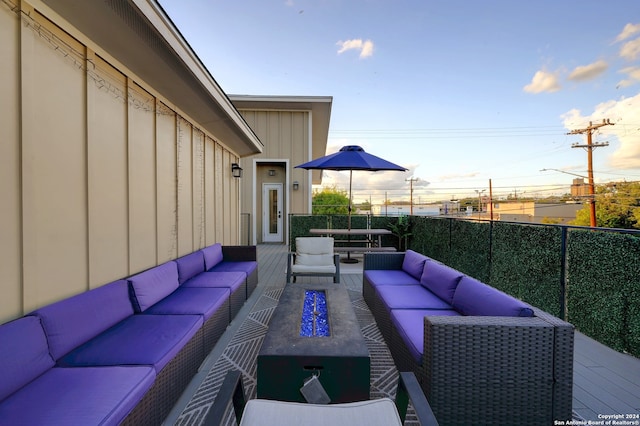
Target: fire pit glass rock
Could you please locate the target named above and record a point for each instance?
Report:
(315, 315)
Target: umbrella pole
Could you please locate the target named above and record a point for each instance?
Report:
(349, 259)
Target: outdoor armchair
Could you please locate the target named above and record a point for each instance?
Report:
(263, 412)
(314, 256)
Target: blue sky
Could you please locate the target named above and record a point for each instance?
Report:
(458, 91)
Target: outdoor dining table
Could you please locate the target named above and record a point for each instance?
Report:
(369, 233)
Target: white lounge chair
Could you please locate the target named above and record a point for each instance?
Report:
(263, 412)
(314, 256)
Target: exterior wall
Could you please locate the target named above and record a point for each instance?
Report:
(100, 176)
(286, 136)
(529, 211)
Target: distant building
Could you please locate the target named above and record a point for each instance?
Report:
(399, 210)
(532, 212)
(579, 188)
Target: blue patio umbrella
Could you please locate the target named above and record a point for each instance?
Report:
(351, 157)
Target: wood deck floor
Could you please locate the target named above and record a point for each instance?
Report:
(606, 382)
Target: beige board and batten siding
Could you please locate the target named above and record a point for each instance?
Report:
(286, 136)
(102, 176)
(295, 130)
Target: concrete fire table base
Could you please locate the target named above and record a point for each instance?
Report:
(340, 360)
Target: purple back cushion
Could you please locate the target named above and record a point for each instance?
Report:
(24, 354)
(190, 265)
(441, 280)
(212, 255)
(72, 321)
(473, 297)
(153, 285)
(413, 263)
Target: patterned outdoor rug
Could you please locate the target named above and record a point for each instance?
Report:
(242, 351)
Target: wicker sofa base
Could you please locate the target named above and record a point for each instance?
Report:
(215, 327)
(488, 370)
(236, 301)
(170, 382)
(480, 370)
(252, 282)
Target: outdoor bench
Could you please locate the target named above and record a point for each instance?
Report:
(362, 249)
(122, 353)
(481, 356)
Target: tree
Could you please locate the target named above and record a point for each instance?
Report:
(330, 201)
(365, 206)
(617, 206)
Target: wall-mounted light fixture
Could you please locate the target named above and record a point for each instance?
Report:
(272, 172)
(296, 185)
(236, 170)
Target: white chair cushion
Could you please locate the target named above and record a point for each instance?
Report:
(314, 245)
(377, 412)
(314, 259)
(322, 269)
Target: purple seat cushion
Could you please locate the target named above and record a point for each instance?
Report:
(389, 277)
(190, 265)
(247, 267)
(73, 321)
(413, 263)
(409, 297)
(24, 354)
(212, 255)
(78, 396)
(191, 301)
(138, 340)
(230, 280)
(441, 280)
(153, 285)
(410, 326)
(475, 298)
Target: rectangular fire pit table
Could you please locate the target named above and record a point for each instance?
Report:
(340, 359)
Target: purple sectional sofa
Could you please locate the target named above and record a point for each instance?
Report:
(219, 258)
(480, 355)
(122, 353)
(36, 391)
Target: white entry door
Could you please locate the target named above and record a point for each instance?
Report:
(272, 213)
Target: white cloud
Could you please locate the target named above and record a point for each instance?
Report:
(625, 113)
(628, 31)
(458, 176)
(543, 81)
(588, 72)
(364, 46)
(631, 50)
(633, 76)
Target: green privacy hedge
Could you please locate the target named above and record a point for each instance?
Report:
(471, 248)
(299, 226)
(527, 263)
(432, 237)
(603, 287)
(594, 274)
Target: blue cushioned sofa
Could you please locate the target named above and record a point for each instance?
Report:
(124, 352)
(481, 356)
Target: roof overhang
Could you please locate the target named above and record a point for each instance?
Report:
(320, 107)
(140, 35)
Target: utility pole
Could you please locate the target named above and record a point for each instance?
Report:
(479, 192)
(590, 146)
(411, 180)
